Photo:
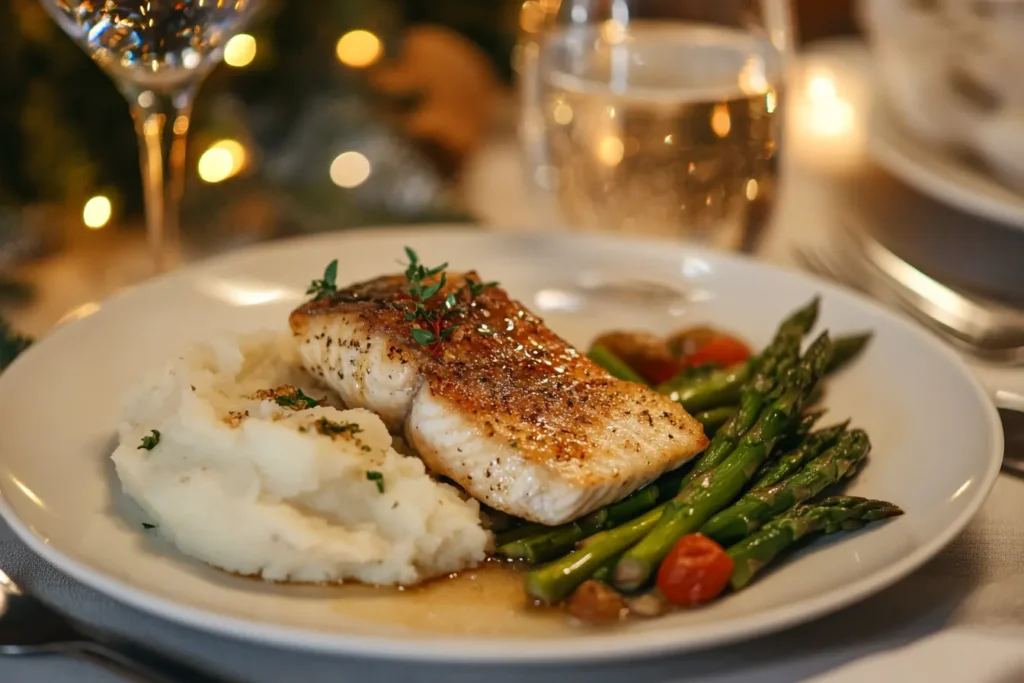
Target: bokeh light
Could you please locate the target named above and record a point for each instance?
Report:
(221, 160)
(350, 169)
(96, 212)
(240, 50)
(721, 121)
(359, 49)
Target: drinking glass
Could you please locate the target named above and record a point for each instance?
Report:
(655, 117)
(157, 52)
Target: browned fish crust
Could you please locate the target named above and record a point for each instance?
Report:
(522, 382)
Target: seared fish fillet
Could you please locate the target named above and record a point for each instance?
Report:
(504, 407)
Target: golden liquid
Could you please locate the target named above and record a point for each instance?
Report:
(487, 601)
(671, 133)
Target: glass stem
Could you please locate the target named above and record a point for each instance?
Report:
(161, 121)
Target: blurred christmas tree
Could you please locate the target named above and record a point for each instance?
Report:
(326, 114)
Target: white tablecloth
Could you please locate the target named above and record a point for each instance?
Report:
(965, 606)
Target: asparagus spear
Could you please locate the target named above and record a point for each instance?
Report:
(521, 531)
(801, 431)
(777, 359)
(830, 515)
(554, 582)
(751, 402)
(615, 366)
(713, 490)
(846, 348)
(721, 387)
(713, 419)
(555, 541)
(756, 508)
(792, 460)
(548, 543)
(691, 374)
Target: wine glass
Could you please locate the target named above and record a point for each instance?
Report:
(655, 117)
(157, 52)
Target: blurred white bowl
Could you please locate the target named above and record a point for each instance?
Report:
(950, 71)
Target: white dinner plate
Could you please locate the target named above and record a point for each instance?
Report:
(937, 443)
(940, 174)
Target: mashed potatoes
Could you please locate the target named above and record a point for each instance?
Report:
(246, 473)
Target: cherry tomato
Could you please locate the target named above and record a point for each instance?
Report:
(695, 571)
(722, 349)
(647, 354)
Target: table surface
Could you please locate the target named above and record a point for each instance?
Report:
(977, 581)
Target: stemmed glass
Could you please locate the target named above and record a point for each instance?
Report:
(157, 52)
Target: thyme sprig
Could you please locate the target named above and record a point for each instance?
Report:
(431, 326)
(324, 288)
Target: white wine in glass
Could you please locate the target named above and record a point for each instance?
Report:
(157, 52)
(657, 117)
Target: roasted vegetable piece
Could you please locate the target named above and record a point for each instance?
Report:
(722, 349)
(695, 571)
(596, 602)
(645, 353)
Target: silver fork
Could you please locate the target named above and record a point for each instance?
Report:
(29, 627)
(984, 329)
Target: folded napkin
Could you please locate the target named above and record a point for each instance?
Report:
(968, 655)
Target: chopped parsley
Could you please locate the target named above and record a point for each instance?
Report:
(146, 525)
(297, 400)
(150, 442)
(322, 289)
(332, 429)
(378, 478)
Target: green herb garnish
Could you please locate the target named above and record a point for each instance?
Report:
(378, 478)
(297, 401)
(146, 525)
(430, 326)
(322, 289)
(332, 429)
(477, 288)
(150, 442)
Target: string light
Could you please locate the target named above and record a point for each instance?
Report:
(359, 49)
(350, 169)
(240, 50)
(221, 160)
(96, 212)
